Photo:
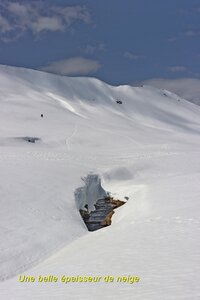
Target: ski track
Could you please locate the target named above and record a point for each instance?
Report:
(67, 141)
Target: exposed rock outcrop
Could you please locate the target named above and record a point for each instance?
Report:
(102, 215)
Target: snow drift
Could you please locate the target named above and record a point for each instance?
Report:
(90, 192)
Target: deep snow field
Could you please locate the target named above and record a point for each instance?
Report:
(147, 149)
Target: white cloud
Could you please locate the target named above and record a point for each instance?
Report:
(90, 49)
(132, 56)
(4, 25)
(18, 18)
(17, 9)
(72, 13)
(177, 69)
(187, 88)
(48, 24)
(172, 39)
(192, 33)
(72, 66)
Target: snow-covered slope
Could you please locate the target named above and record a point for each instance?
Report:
(187, 88)
(146, 149)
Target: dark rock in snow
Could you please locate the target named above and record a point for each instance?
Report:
(101, 216)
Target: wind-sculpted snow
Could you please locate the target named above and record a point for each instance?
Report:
(119, 174)
(64, 103)
(145, 149)
(90, 192)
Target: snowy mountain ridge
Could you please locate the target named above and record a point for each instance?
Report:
(146, 149)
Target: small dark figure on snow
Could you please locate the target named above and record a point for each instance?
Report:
(119, 102)
(41, 115)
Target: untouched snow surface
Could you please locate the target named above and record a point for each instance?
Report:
(147, 149)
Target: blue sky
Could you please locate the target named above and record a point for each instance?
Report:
(117, 41)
